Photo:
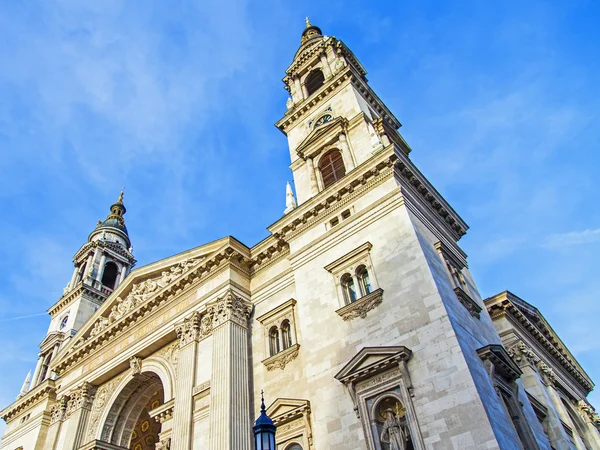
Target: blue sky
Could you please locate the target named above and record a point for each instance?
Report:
(176, 101)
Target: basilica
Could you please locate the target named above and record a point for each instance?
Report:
(357, 316)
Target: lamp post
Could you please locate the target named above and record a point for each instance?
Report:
(264, 430)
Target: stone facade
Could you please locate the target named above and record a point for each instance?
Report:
(357, 316)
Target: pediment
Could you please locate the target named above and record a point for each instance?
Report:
(284, 410)
(143, 286)
(321, 135)
(372, 360)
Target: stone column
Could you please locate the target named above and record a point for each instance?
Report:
(189, 333)
(230, 427)
(325, 64)
(123, 273)
(314, 189)
(89, 266)
(101, 268)
(79, 406)
(343, 144)
(298, 97)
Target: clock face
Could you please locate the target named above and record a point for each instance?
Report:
(323, 119)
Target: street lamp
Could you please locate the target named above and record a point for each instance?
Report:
(264, 430)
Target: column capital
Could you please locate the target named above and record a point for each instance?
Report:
(193, 328)
(230, 308)
(80, 397)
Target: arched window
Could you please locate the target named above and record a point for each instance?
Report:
(332, 167)
(109, 276)
(294, 447)
(363, 277)
(274, 346)
(349, 288)
(314, 81)
(286, 334)
(63, 322)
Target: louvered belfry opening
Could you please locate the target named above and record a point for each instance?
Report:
(331, 167)
(314, 81)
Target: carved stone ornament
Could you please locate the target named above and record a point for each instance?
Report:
(103, 394)
(230, 308)
(81, 397)
(466, 300)
(164, 444)
(140, 293)
(362, 306)
(136, 365)
(588, 412)
(281, 359)
(523, 354)
(58, 411)
(546, 372)
(192, 329)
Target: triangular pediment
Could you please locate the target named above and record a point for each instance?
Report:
(144, 284)
(322, 135)
(372, 360)
(285, 409)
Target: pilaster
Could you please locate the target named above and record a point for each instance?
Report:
(78, 410)
(230, 427)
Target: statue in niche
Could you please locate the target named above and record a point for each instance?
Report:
(394, 434)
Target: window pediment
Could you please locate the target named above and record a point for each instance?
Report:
(372, 360)
(323, 135)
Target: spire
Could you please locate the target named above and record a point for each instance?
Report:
(114, 222)
(25, 387)
(290, 200)
(310, 31)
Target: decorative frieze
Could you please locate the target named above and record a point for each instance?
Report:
(362, 306)
(101, 398)
(281, 359)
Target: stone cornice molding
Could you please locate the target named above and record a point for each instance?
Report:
(501, 361)
(371, 173)
(78, 291)
(228, 308)
(299, 110)
(119, 249)
(414, 180)
(282, 359)
(361, 306)
(42, 391)
(365, 363)
(52, 339)
(470, 305)
(266, 254)
(163, 412)
(502, 306)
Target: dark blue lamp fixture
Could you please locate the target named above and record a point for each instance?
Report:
(264, 430)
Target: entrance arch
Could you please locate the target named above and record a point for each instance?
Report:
(128, 423)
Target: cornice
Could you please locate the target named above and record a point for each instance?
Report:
(502, 306)
(353, 185)
(78, 291)
(36, 395)
(302, 108)
(407, 171)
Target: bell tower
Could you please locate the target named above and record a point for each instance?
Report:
(100, 265)
(334, 120)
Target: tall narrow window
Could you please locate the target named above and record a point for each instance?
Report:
(109, 276)
(363, 277)
(274, 346)
(286, 334)
(332, 167)
(64, 321)
(314, 81)
(349, 288)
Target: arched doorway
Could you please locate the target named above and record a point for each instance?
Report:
(128, 423)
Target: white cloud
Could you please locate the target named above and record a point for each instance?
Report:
(588, 236)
